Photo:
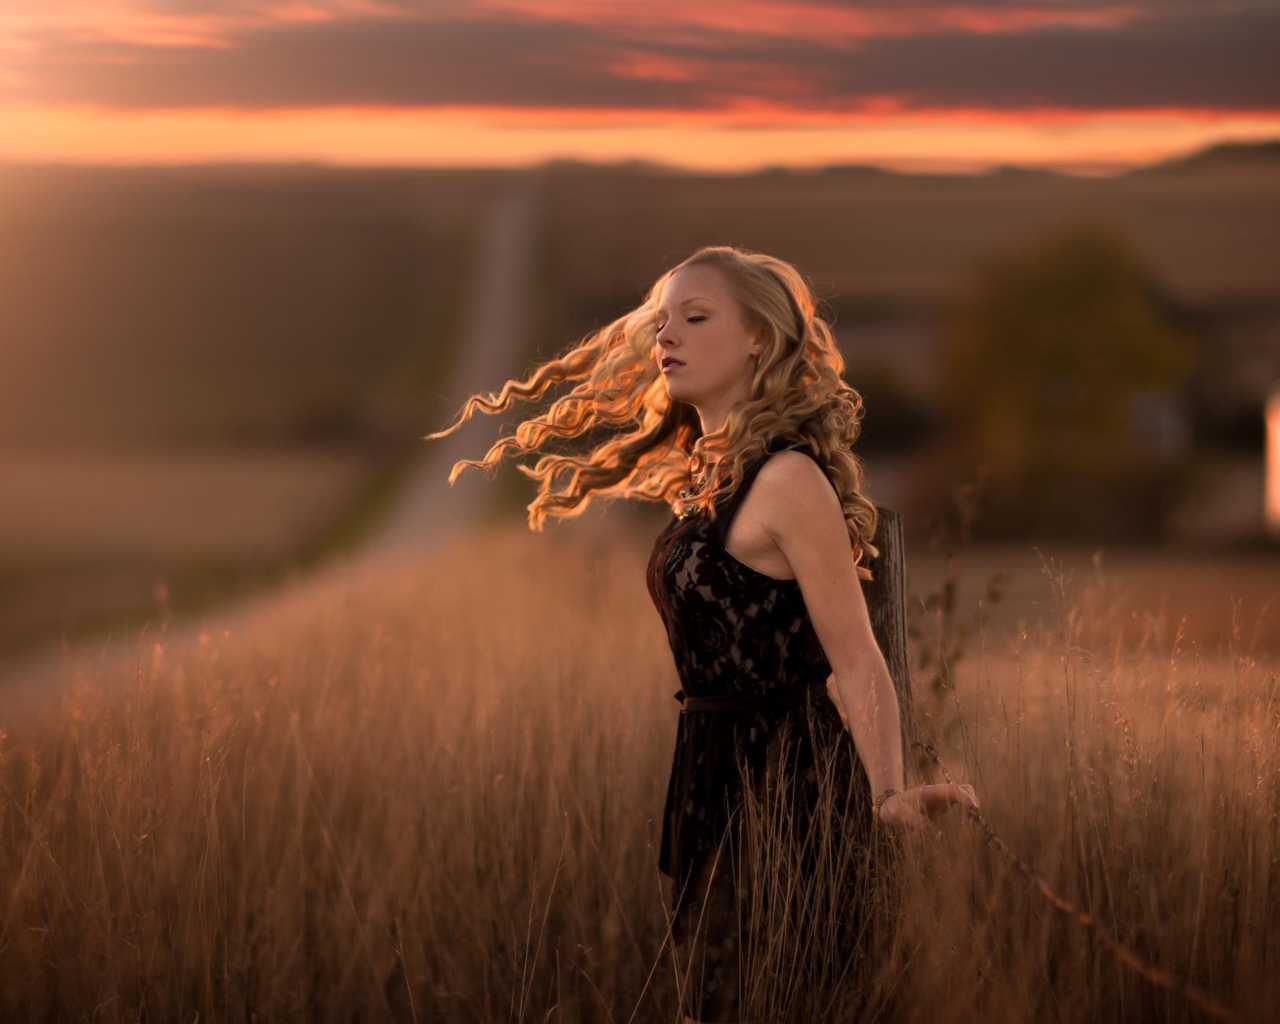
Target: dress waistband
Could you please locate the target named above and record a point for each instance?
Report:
(747, 702)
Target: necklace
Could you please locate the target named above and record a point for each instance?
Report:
(686, 510)
(690, 492)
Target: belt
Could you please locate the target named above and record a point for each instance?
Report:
(746, 702)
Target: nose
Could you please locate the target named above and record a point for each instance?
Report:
(664, 345)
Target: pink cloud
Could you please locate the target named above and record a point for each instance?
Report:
(665, 18)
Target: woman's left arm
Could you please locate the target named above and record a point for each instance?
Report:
(804, 516)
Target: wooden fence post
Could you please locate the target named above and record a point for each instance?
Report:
(886, 598)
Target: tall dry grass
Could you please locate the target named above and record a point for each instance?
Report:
(458, 766)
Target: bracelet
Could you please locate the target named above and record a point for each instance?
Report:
(882, 798)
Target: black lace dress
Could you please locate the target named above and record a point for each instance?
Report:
(754, 673)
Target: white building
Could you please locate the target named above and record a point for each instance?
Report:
(1271, 412)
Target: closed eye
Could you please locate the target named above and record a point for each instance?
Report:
(689, 319)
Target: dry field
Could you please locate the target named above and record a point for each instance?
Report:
(210, 502)
(89, 535)
(458, 764)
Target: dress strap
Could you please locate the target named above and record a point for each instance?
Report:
(729, 505)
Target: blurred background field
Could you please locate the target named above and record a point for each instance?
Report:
(212, 377)
(209, 376)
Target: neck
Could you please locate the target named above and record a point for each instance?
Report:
(714, 410)
(713, 418)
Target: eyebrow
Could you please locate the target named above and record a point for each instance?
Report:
(695, 298)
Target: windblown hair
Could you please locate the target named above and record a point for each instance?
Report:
(654, 447)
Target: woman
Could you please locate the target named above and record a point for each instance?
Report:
(722, 395)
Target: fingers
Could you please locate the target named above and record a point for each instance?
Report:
(941, 797)
(921, 824)
(918, 831)
(928, 829)
(914, 823)
(937, 798)
(924, 803)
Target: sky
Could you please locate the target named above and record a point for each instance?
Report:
(712, 85)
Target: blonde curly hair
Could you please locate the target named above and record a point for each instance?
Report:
(654, 447)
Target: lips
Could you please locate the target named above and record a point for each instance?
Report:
(670, 361)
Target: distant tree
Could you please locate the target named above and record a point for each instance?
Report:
(1044, 358)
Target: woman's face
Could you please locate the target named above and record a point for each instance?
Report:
(700, 325)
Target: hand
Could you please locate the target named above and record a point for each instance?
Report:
(911, 812)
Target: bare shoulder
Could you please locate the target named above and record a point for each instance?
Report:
(796, 492)
(785, 471)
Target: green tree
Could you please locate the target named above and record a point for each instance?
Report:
(1043, 356)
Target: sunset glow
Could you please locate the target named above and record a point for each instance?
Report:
(513, 138)
(715, 86)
